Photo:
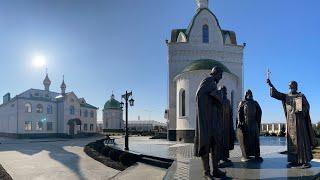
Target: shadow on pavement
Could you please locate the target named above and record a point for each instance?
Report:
(56, 151)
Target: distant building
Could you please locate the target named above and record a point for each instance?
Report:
(273, 128)
(112, 115)
(99, 126)
(192, 53)
(44, 113)
(147, 126)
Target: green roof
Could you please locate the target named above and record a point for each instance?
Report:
(205, 64)
(86, 105)
(112, 104)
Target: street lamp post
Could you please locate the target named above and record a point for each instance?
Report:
(126, 97)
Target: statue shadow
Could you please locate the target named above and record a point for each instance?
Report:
(63, 152)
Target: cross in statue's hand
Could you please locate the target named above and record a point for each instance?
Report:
(268, 73)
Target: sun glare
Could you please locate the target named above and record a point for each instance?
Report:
(39, 61)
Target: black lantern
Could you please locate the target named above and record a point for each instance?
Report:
(121, 105)
(131, 101)
(126, 97)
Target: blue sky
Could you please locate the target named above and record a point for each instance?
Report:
(104, 46)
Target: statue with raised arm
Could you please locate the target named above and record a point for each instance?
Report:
(208, 132)
(249, 123)
(300, 135)
(227, 126)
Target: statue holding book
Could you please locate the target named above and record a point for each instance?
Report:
(300, 135)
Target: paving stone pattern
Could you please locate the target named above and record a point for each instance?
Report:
(184, 154)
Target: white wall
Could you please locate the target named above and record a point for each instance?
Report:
(8, 117)
(72, 100)
(190, 81)
(35, 117)
(113, 119)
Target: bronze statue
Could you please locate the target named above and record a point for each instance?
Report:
(227, 126)
(249, 124)
(208, 135)
(300, 135)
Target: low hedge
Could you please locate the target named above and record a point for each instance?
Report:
(105, 151)
(115, 154)
(128, 159)
(109, 156)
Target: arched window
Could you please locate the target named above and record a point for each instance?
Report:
(182, 102)
(39, 108)
(49, 109)
(27, 108)
(205, 33)
(91, 114)
(86, 113)
(39, 126)
(71, 110)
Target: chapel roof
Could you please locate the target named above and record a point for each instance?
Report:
(175, 33)
(112, 103)
(204, 64)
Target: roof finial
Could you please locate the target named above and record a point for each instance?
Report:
(63, 86)
(202, 4)
(46, 81)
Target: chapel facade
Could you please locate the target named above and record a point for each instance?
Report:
(192, 53)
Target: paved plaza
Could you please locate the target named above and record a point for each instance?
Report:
(186, 166)
(65, 159)
(51, 159)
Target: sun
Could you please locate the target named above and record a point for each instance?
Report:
(39, 61)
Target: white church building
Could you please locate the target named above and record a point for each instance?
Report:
(44, 113)
(192, 53)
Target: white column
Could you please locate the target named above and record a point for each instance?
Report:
(272, 127)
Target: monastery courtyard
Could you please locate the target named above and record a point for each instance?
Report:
(51, 159)
(65, 159)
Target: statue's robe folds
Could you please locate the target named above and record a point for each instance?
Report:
(300, 134)
(228, 128)
(249, 115)
(208, 133)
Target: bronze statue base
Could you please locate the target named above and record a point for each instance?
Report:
(225, 163)
(218, 174)
(299, 166)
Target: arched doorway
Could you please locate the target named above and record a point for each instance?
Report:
(72, 126)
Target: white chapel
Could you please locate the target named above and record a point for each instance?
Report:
(192, 53)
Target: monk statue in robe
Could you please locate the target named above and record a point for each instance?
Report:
(249, 124)
(300, 135)
(208, 132)
(228, 129)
